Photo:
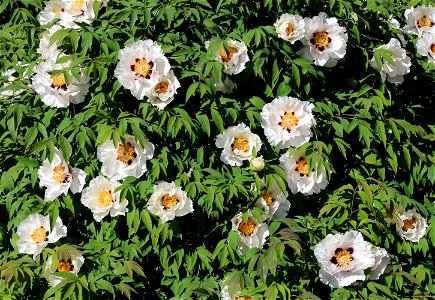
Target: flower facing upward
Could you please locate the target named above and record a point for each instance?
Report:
(420, 20)
(102, 199)
(290, 27)
(411, 226)
(35, 234)
(124, 160)
(53, 88)
(343, 258)
(169, 201)
(234, 59)
(274, 201)
(287, 122)
(252, 233)
(299, 176)
(58, 177)
(140, 66)
(426, 46)
(71, 264)
(237, 143)
(325, 41)
(163, 92)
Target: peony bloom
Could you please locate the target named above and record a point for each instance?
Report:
(235, 59)
(290, 27)
(252, 233)
(237, 143)
(54, 9)
(257, 164)
(45, 49)
(287, 122)
(100, 197)
(127, 159)
(226, 294)
(402, 63)
(381, 262)
(34, 234)
(169, 201)
(141, 66)
(426, 46)
(411, 226)
(274, 202)
(163, 92)
(419, 20)
(54, 90)
(325, 41)
(343, 257)
(58, 177)
(299, 176)
(71, 264)
(226, 86)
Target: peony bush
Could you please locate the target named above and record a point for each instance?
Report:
(200, 149)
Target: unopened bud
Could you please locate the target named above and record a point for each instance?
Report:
(257, 164)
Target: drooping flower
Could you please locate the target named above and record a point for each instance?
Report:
(72, 264)
(252, 232)
(127, 159)
(426, 46)
(34, 234)
(237, 143)
(419, 20)
(299, 176)
(102, 199)
(325, 41)
(274, 201)
(58, 177)
(163, 92)
(140, 66)
(401, 62)
(233, 60)
(45, 49)
(287, 122)
(169, 201)
(343, 258)
(382, 260)
(257, 164)
(290, 27)
(53, 88)
(411, 226)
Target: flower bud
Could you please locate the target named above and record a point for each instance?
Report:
(257, 164)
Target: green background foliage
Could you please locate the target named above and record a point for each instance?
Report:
(376, 138)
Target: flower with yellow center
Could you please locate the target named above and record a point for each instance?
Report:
(226, 57)
(169, 201)
(59, 174)
(411, 226)
(420, 20)
(321, 40)
(237, 143)
(426, 46)
(252, 233)
(343, 258)
(64, 266)
(288, 121)
(164, 91)
(71, 262)
(142, 68)
(126, 154)
(234, 61)
(267, 196)
(100, 197)
(290, 28)
(34, 234)
(303, 168)
(161, 88)
(424, 22)
(274, 201)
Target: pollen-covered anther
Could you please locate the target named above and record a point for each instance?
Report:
(302, 167)
(425, 22)
(39, 235)
(247, 227)
(168, 201)
(342, 257)
(408, 224)
(162, 87)
(64, 266)
(226, 57)
(267, 196)
(59, 174)
(288, 121)
(289, 29)
(126, 154)
(321, 40)
(240, 144)
(105, 197)
(58, 82)
(142, 68)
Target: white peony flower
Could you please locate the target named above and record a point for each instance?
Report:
(58, 177)
(325, 41)
(226, 294)
(54, 90)
(226, 86)
(127, 159)
(426, 46)
(237, 143)
(140, 66)
(381, 262)
(343, 257)
(235, 60)
(100, 197)
(287, 122)
(45, 49)
(163, 92)
(35, 234)
(252, 233)
(54, 9)
(290, 27)
(257, 164)
(274, 202)
(402, 63)
(419, 20)
(71, 264)
(299, 177)
(411, 226)
(169, 201)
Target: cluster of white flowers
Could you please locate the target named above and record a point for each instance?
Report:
(344, 257)
(324, 41)
(144, 69)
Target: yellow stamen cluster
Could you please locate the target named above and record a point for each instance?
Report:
(247, 227)
(302, 167)
(289, 29)
(39, 235)
(142, 67)
(425, 22)
(343, 258)
(59, 175)
(288, 121)
(267, 196)
(226, 57)
(320, 39)
(64, 266)
(240, 144)
(168, 201)
(408, 224)
(105, 197)
(58, 80)
(162, 88)
(126, 154)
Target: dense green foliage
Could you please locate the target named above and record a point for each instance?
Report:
(376, 138)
